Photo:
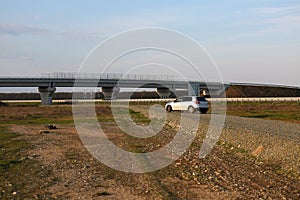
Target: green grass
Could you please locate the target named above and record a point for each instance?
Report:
(232, 148)
(38, 121)
(27, 104)
(10, 146)
(286, 111)
(25, 175)
(137, 117)
(273, 115)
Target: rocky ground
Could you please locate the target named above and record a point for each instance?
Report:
(254, 159)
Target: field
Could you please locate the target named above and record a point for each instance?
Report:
(284, 111)
(256, 157)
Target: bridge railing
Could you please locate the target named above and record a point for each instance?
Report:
(112, 76)
(63, 75)
(282, 99)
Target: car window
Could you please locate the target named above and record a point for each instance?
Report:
(201, 99)
(187, 99)
(178, 100)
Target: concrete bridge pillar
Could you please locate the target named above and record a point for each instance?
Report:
(164, 93)
(46, 94)
(109, 91)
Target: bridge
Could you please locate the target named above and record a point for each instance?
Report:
(109, 83)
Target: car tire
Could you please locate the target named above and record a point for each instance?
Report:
(169, 108)
(191, 109)
(203, 110)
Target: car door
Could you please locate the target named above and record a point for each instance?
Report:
(176, 105)
(186, 102)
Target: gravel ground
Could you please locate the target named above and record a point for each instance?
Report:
(280, 140)
(260, 147)
(286, 131)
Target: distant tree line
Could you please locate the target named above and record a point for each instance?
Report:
(236, 91)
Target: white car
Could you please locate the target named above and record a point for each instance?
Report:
(188, 103)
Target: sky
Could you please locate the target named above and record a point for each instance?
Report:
(254, 41)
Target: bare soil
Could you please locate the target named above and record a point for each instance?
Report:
(57, 165)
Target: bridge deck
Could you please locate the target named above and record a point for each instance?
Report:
(104, 81)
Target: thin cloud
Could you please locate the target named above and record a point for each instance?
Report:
(15, 57)
(271, 20)
(18, 30)
(291, 19)
(11, 29)
(277, 10)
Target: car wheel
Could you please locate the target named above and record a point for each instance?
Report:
(203, 110)
(191, 109)
(169, 109)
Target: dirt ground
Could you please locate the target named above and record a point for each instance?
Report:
(56, 165)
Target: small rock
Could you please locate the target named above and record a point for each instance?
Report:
(23, 158)
(14, 193)
(51, 126)
(258, 151)
(44, 132)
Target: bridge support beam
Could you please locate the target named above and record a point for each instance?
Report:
(110, 92)
(164, 93)
(194, 89)
(46, 94)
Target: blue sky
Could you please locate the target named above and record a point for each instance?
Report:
(250, 41)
